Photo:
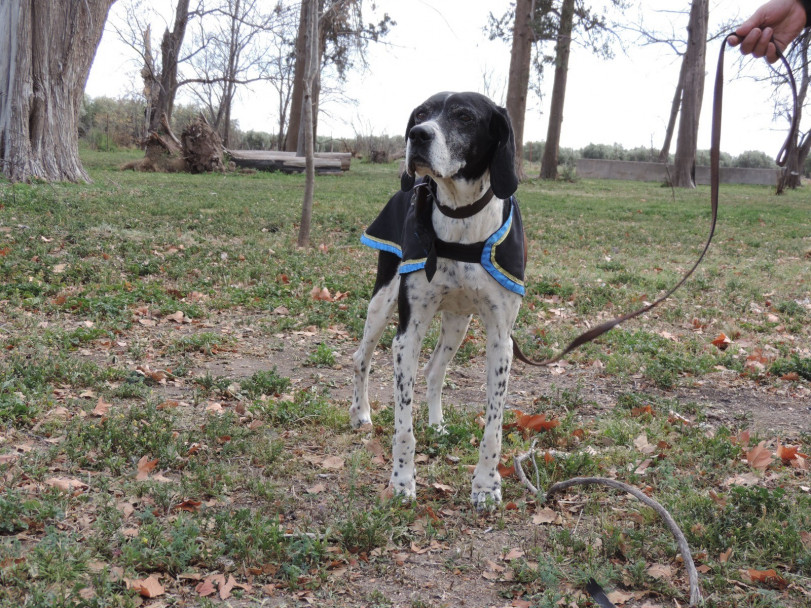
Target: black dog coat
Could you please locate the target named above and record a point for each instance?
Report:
(404, 228)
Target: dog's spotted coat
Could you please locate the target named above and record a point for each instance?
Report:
(464, 143)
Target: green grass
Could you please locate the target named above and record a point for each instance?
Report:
(241, 399)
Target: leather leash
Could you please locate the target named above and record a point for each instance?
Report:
(715, 178)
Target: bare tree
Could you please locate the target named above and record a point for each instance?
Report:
(343, 39)
(46, 50)
(311, 63)
(692, 92)
(647, 35)
(160, 70)
(562, 21)
(518, 83)
(233, 43)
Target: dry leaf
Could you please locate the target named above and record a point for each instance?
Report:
(101, 408)
(148, 587)
(721, 342)
(66, 484)
(205, 588)
(512, 554)
(768, 577)
(759, 457)
(333, 463)
(145, 467)
(545, 516)
(188, 505)
(660, 571)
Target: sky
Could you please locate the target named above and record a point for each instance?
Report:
(440, 45)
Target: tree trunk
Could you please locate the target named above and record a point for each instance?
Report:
(687, 143)
(312, 66)
(518, 82)
(549, 163)
(299, 75)
(46, 50)
(170, 54)
(664, 153)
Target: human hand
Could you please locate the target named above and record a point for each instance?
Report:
(777, 22)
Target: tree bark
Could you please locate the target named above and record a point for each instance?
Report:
(549, 163)
(518, 80)
(312, 66)
(687, 143)
(299, 75)
(664, 153)
(46, 50)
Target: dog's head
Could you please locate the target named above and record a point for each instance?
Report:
(461, 136)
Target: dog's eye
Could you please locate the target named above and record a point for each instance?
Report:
(420, 115)
(464, 117)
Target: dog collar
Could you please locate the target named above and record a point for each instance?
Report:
(458, 213)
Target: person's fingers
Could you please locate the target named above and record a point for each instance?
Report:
(771, 53)
(733, 40)
(762, 45)
(750, 40)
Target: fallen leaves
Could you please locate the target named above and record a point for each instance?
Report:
(527, 423)
(766, 577)
(67, 484)
(148, 587)
(323, 294)
(759, 457)
(722, 342)
(144, 467)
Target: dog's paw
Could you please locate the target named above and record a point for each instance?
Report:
(403, 487)
(358, 418)
(486, 500)
(361, 423)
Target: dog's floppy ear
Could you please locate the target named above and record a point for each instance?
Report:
(407, 179)
(503, 179)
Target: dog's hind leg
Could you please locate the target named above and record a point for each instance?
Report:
(380, 310)
(451, 333)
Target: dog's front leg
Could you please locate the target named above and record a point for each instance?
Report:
(380, 310)
(414, 319)
(486, 478)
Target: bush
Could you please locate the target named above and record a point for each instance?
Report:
(754, 159)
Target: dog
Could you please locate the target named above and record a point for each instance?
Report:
(452, 241)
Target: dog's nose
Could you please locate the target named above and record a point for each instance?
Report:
(420, 134)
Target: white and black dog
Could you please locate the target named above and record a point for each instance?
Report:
(452, 243)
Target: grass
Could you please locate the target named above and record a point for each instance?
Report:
(241, 401)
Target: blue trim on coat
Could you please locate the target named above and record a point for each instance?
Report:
(381, 245)
(488, 257)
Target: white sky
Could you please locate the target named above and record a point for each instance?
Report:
(439, 45)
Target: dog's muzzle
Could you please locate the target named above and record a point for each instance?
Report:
(420, 139)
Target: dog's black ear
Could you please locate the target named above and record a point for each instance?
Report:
(503, 178)
(407, 179)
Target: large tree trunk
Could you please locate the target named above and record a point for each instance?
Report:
(46, 50)
(664, 153)
(518, 82)
(687, 143)
(549, 163)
